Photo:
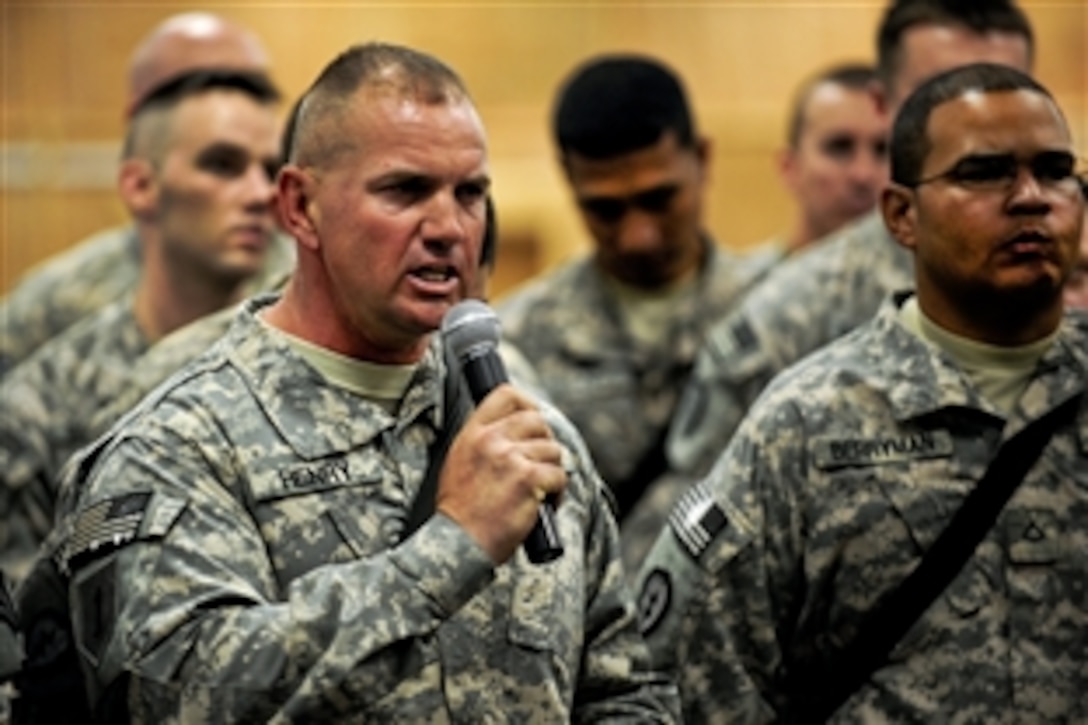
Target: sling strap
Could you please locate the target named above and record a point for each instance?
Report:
(829, 686)
(456, 407)
(649, 469)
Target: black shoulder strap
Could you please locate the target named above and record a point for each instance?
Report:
(897, 611)
(649, 468)
(456, 407)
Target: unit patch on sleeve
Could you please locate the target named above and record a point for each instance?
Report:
(654, 600)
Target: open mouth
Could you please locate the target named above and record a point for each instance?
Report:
(435, 274)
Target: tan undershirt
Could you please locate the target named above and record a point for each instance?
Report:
(645, 315)
(383, 385)
(1000, 373)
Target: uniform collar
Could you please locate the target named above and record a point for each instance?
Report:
(919, 379)
(315, 418)
(599, 333)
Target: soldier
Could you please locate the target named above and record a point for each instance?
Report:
(837, 283)
(178, 349)
(777, 568)
(612, 335)
(196, 176)
(241, 548)
(103, 268)
(834, 165)
(836, 157)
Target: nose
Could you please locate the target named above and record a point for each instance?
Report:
(1027, 194)
(868, 169)
(639, 232)
(259, 188)
(443, 220)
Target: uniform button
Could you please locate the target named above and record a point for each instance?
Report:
(391, 531)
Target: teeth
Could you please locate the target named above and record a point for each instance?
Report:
(435, 275)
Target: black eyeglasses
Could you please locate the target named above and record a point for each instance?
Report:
(999, 172)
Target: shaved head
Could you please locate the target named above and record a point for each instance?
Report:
(187, 42)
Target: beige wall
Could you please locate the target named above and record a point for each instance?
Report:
(63, 68)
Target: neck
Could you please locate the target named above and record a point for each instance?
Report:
(169, 296)
(1008, 322)
(307, 311)
(802, 235)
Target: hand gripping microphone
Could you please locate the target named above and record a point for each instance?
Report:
(471, 330)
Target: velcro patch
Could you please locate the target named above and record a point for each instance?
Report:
(654, 600)
(842, 452)
(111, 523)
(740, 338)
(697, 519)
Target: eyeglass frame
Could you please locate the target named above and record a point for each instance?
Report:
(1006, 182)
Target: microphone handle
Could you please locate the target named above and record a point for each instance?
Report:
(483, 373)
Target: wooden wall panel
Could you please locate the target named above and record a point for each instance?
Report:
(62, 69)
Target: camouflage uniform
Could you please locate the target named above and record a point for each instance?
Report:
(620, 397)
(816, 295)
(46, 407)
(81, 280)
(176, 350)
(69, 392)
(844, 473)
(66, 288)
(238, 554)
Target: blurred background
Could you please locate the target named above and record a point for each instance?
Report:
(62, 87)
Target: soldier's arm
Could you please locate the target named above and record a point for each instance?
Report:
(731, 369)
(717, 591)
(617, 682)
(33, 425)
(175, 599)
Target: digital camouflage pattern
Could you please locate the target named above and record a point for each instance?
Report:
(237, 553)
(620, 395)
(79, 281)
(176, 350)
(47, 404)
(69, 391)
(843, 474)
(816, 295)
(66, 288)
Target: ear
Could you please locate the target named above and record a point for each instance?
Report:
(880, 95)
(899, 206)
(786, 159)
(138, 187)
(295, 210)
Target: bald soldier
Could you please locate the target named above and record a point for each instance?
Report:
(769, 595)
(104, 267)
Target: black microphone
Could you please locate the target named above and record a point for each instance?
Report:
(471, 330)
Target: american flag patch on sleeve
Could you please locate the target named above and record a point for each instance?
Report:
(107, 525)
(697, 519)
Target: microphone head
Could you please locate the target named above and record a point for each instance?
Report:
(470, 328)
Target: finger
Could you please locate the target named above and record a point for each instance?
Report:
(542, 451)
(503, 401)
(550, 479)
